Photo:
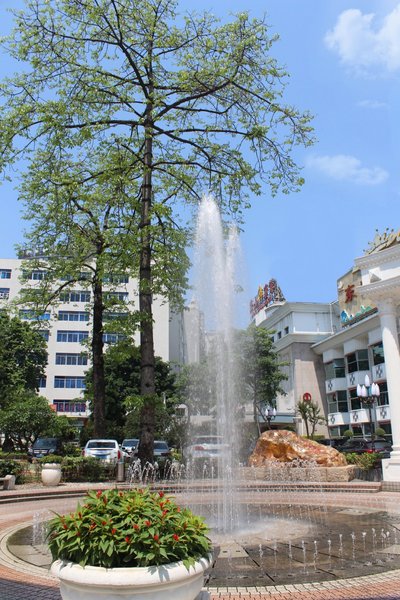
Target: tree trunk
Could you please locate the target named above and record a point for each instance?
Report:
(147, 364)
(98, 361)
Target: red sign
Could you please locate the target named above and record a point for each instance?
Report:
(307, 397)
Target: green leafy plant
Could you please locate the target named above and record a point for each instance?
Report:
(86, 468)
(134, 528)
(50, 459)
(12, 467)
(365, 460)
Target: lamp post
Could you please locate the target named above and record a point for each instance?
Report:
(368, 394)
(269, 415)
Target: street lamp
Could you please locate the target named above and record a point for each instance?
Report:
(269, 415)
(368, 394)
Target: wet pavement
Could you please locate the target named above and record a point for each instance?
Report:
(336, 545)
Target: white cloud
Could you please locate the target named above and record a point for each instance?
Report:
(362, 44)
(347, 168)
(374, 104)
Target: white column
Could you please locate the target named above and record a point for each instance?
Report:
(390, 341)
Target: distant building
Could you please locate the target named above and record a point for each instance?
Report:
(67, 325)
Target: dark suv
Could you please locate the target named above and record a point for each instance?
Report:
(44, 446)
(361, 445)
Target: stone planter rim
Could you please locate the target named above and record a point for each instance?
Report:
(125, 576)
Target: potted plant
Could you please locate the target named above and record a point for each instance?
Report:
(51, 469)
(129, 544)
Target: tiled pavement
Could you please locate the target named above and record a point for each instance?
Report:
(22, 584)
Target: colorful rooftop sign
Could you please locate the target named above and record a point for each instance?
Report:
(266, 296)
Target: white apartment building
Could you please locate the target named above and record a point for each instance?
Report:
(67, 325)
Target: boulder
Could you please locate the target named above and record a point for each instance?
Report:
(287, 447)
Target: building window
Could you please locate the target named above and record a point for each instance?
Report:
(4, 293)
(355, 402)
(72, 336)
(279, 335)
(120, 296)
(286, 331)
(45, 334)
(383, 396)
(71, 359)
(42, 382)
(75, 296)
(5, 273)
(337, 402)
(113, 338)
(73, 315)
(113, 316)
(69, 382)
(115, 278)
(357, 361)
(30, 315)
(377, 354)
(335, 369)
(69, 406)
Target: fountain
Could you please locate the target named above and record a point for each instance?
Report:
(215, 291)
(266, 531)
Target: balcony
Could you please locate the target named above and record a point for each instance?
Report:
(338, 418)
(71, 409)
(335, 385)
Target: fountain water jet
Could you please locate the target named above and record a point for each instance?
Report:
(215, 289)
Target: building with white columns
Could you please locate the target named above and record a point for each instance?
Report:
(367, 344)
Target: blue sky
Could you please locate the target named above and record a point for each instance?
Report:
(344, 60)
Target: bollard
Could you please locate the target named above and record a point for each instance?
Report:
(121, 470)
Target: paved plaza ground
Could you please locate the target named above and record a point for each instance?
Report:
(20, 580)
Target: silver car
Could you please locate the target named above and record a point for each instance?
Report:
(107, 450)
(206, 447)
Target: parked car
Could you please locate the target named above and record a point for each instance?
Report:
(360, 445)
(206, 447)
(333, 442)
(44, 446)
(129, 445)
(161, 451)
(103, 449)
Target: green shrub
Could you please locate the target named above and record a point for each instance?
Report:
(50, 458)
(88, 468)
(135, 528)
(348, 433)
(365, 460)
(12, 467)
(380, 432)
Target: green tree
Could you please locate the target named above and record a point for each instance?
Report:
(123, 402)
(23, 357)
(261, 370)
(311, 414)
(86, 230)
(27, 417)
(196, 104)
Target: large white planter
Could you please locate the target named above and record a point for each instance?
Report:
(51, 474)
(167, 582)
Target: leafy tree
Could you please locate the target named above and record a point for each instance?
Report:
(27, 417)
(197, 386)
(23, 357)
(122, 391)
(311, 414)
(86, 231)
(260, 368)
(195, 104)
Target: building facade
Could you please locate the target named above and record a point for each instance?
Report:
(67, 326)
(295, 327)
(367, 344)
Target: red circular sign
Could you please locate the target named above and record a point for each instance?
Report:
(307, 397)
